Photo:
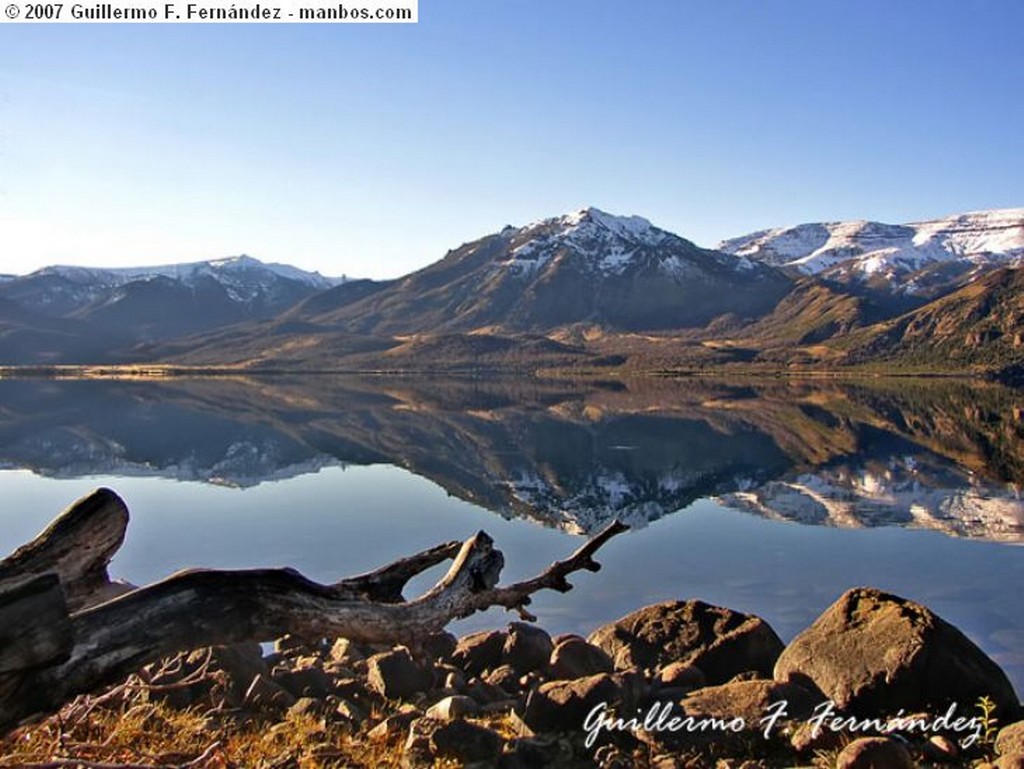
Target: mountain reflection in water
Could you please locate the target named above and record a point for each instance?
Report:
(939, 455)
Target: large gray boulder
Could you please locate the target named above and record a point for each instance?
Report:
(874, 653)
(720, 642)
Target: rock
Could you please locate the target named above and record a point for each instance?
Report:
(308, 706)
(564, 705)
(1010, 739)
(466, 742)
(527, 647)
(453, 707)
(872, 652)
(750, 700)
(485, 693)
(874, 753)
(392, 726)
(1010, 761)
(729, 717)
(439, 646)
(478, 652)
(463, 741)
(350, 711)
(418, 752)
(721, 642)
(396, 675)
(264, 693)
(574, 657)
(940, 749)
(505, 678)
(353, 689)
(680, 675)
(304, 681)
(346, 652)
(807, 741)
(455, 681)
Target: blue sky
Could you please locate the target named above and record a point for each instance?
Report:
(370, 150)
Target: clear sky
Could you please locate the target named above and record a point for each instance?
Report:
(370, 150)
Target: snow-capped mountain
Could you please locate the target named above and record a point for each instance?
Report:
(112, 309)
(588, 267)
(61, 289)
(902, 254)
(608, 244)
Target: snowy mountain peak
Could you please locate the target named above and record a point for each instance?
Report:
(593, 222)
(232, 266)
(605, 242)
(890, 251)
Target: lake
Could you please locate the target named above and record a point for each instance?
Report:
(770, 497)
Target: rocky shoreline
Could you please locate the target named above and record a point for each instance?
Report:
(875, 681)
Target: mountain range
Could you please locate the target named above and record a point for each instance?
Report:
(583, 291)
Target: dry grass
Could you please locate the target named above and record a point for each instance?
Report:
(131, 732)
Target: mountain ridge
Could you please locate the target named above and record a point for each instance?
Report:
(585, 290)
(911, 258)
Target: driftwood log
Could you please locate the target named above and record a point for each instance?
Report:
(66, 629)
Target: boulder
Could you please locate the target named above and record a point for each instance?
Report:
(680, 675)
(751, 701)
(478, 652)
(807, 740)
(439, 646)
(874, 753)
(310, 681)
(396, 675)
(1010, 739)
(940, 749)
(430, 739)
(564, 705)
(574, 657)
(874, 653)
(486, 693)
(504, 677)
(527, 647)
(730, 718)
(466, 742)
(721, 642)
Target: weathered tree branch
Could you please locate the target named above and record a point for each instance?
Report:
(203, 607)
(77, 547)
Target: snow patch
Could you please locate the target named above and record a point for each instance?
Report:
(877, 249)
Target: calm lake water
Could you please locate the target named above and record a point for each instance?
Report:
(771, 498)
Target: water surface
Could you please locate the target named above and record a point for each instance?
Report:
(771, 499)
